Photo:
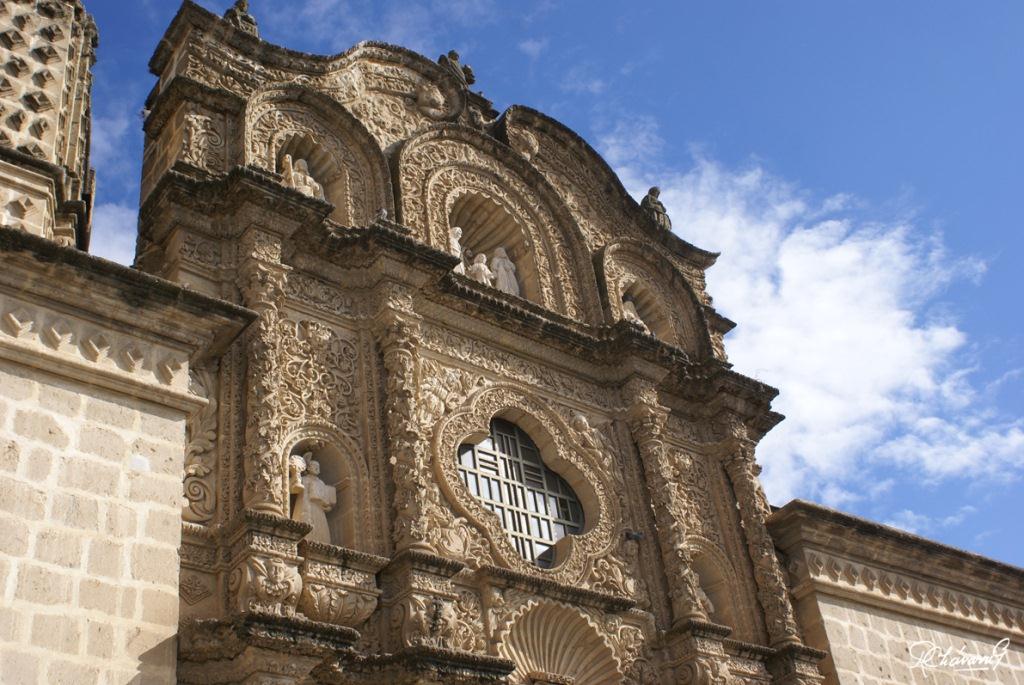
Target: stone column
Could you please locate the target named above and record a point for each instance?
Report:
(398, 333)
(772, 591)
(647, 424)
(262, 278)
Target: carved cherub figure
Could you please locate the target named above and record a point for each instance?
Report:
(479, 271)
(655, 209)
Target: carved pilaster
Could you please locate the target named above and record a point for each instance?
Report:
(796, 664)
(772, 591)
(416, 493)
(647, 419)
(262, 281)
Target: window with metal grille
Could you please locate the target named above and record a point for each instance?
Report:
(535, 505)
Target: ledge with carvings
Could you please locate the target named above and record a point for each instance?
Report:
(416, 665)
(549, 589)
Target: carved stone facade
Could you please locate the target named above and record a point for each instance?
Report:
(317, 197)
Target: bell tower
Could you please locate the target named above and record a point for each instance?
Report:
(47, 49)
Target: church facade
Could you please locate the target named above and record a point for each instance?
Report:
(403, 389)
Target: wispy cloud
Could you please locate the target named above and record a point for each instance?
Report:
(533, 47)
(920, 524)
(582, 79)
(839, 310)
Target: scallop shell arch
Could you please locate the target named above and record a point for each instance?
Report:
(557, 640)
(560, 452)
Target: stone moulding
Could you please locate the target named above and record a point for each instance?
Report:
(549, 589)
(421, 664)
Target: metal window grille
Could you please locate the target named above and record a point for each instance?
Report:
(535, 505)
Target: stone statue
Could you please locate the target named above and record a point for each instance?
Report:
(462, 73)
(705, 601)
(455, 246)
(654, 208)
(239, 17)
(479, 271)
(504, 270)
(629, 313)
(314, 499)
(297, 176)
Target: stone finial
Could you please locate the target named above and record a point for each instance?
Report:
(654, 208)
(239, 17)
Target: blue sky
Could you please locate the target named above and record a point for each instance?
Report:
(859, 165)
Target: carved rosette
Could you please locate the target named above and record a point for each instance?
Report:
(262, 278)
(647, 420)
(772, 590)
(339, 586)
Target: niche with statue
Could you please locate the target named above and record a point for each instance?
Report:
(321, 492)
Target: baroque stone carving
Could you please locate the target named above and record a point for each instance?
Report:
(203, 142)
(473, 419)
(554, 643)
(200, 455)
(267, 585)
(773, 591)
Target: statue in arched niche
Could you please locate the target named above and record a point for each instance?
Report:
(504, 272)
(455, 247)
(479, 272)
(296, 175)
(314, 498)
(654, 208)
(629, 313)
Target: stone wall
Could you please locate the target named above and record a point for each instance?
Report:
(874, 646)
(90, 509)
(94, 398)
(892, 608)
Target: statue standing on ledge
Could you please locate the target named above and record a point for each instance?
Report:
(314, 498)
(629, 313)
(504, 270)
(455, 246)
(239, 17)
(297, 176)
(462, 73)
(654, 208)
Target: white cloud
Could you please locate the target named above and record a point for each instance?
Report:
(839, 312)
(113, 232)
(919, 524)
(581, 79)
(533, 47)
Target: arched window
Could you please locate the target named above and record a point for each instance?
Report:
(535, 505)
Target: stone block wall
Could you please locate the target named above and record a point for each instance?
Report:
(874, 646)
(892, 608)
(95, 397)
(90, 487)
